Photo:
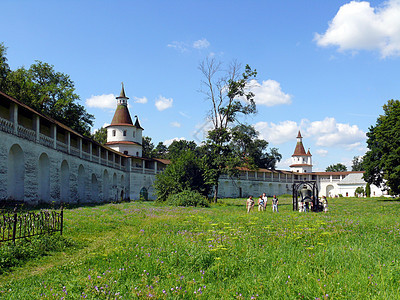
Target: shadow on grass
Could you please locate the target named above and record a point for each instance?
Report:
(21, 206)
(388, 200)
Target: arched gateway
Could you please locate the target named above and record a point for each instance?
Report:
(308, 191)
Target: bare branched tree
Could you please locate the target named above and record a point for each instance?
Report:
(228, 92)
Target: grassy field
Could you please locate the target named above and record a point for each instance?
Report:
(144, 250)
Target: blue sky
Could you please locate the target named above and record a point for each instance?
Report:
(324, 67)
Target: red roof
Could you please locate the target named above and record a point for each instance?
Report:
(122, 142)
(122, 116)
(336, 173)
(299, 150)
(163, 161)
(300, 165)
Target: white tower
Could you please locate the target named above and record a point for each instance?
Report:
(122, 134)
(301, 161)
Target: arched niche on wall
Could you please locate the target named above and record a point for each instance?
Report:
(44, 178)
(16, 173)
(64, 182)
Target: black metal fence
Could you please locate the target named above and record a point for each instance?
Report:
(14, 225)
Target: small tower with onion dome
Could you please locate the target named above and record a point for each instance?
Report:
(301, 160)
(122, 134)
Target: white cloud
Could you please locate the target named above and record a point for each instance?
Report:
(329, 133)
(169, 142)
(322, 152)
(356, 145)
(176, 124)
(180, 46)
(284, 164)
(316, 128)
(326, 133)
(109, 101)
(358, 26)
(201, 44)
(269, 93)
(184, 47)
(277, 133)
(163, 103)
(102, 101)
(142, 100)
(183, 114)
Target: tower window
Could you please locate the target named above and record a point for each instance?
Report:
(124, 132)
(133, 133)
(113, 133)
(126, 152)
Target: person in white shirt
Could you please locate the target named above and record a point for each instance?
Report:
(265, 198)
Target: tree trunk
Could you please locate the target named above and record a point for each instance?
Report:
(216, 194)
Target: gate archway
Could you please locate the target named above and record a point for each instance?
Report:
(311, 196)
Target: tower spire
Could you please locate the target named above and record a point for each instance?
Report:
(122, 115)
(299, 135)
(122, 94)
(122, 99)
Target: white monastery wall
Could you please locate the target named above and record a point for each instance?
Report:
(35, 173)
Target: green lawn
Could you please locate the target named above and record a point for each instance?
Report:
(144, 250)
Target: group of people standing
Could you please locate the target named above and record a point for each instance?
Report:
(263, 199)
(262, 203)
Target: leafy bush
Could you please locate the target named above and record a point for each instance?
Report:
(15, 255)
(188, 198)
(359, 191)
(186, 172)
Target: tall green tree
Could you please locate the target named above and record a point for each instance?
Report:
(51, 93)
(336, 168)
(160, 151)
(230, 98)
(357, 163)
(47, 91)
(382, 160)
(4, 67)
(178, 147)
(147, 147)
(100, 135)
(246, 143)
